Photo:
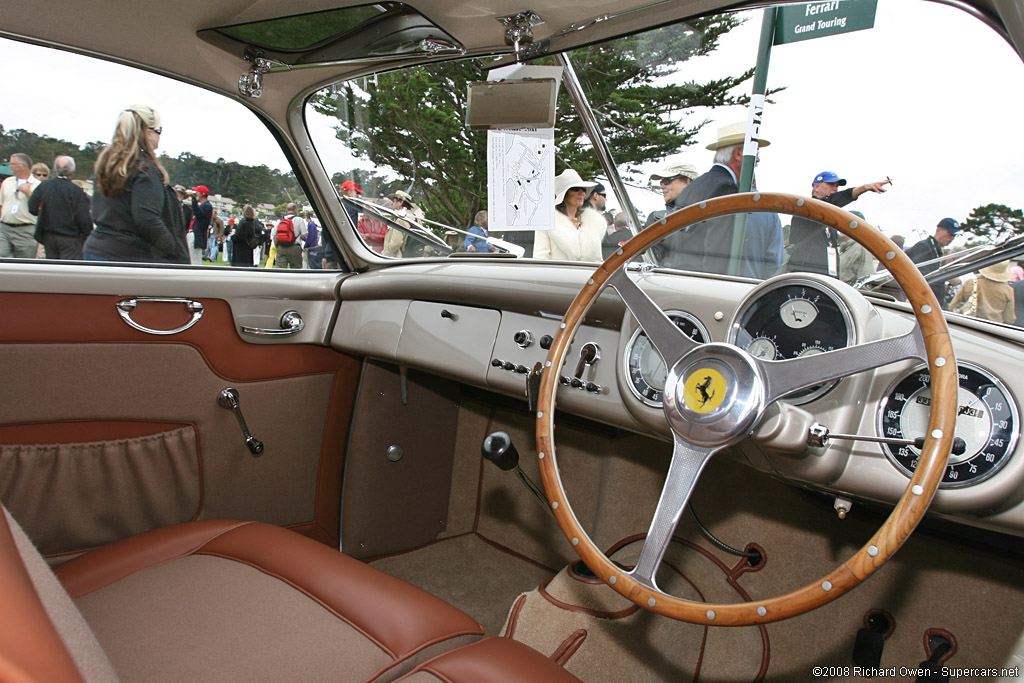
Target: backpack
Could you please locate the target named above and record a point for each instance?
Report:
(285, 233)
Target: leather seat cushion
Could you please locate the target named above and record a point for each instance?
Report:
(255, 600)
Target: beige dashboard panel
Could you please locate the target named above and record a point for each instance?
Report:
(454, 341)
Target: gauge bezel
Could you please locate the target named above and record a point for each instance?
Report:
(632, 342)
(959, 484)
(822, 287)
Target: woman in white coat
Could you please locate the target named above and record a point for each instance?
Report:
(578, 232)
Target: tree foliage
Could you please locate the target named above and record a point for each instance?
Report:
(411, 122)
(994, 222)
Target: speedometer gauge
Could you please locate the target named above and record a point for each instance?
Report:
(645, 367)
(987, 420)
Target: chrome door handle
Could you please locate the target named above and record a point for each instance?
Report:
(291, 323)
(126, 306)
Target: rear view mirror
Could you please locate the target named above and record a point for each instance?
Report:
(526, 103)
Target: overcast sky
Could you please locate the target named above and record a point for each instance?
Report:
(930, 98)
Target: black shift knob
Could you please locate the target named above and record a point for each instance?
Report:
(497, 447)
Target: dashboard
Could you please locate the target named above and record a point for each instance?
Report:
(493, 334)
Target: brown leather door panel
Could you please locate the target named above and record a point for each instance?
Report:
(85, 396)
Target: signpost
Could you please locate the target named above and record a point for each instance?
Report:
(789, 24)
(820, 19)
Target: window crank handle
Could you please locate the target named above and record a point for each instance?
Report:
(228, 399)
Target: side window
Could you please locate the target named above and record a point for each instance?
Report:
(213, 192)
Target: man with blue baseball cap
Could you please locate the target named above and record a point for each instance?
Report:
(930, 248)
(810, 240)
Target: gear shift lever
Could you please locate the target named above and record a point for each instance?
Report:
(497, 447)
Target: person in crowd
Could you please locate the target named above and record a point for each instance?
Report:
(202, 214)
(136, 212)
(394, 239)
(64, 219)
(216, 237)
(578, 231)
(311, 245)
(40, 171)
(476, 241)
(1016, 271)
(617, 235)
(855, 261)
(244, 238)
(809, 240)
(349, 188)
(17, 224)
(186, 211)
(672, 179)
(227, 244)
(704, 246)
(288, 236)
(988, 296)
(931, 248)
(597, 198)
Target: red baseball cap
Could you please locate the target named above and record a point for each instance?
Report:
(351, 185)
(201, 189)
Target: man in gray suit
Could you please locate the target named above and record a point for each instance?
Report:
(704, 246)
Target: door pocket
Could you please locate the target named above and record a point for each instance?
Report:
(74, 496)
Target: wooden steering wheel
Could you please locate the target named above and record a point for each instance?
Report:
(746, 387)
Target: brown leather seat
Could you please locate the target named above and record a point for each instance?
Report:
(224, 601)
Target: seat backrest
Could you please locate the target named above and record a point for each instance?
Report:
(43, 636)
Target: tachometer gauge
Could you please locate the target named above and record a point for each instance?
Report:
(987, 420)
(793, 317)
(645, 368)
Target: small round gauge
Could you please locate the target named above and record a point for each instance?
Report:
(793, 317)
(645, 368)
(798, 312)
(987, 420)
(762, 347)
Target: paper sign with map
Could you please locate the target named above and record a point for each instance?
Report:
(520, 179)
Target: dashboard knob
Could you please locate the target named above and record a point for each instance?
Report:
(496, 362)
(576, 383)
(523, 339)
(593, 388)
(522, 369)
(508, 365)
(545, 341)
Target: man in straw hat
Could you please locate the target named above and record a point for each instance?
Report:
(810, 240)
(706, 246)
(988, 296)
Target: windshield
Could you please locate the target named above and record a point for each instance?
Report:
(891, 121)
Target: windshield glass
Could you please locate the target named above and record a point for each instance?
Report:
(892, 121)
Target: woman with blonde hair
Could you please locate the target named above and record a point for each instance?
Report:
(137, 214)
(40, 170)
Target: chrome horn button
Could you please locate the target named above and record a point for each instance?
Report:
(714, 395)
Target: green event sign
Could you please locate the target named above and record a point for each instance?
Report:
(820, 19)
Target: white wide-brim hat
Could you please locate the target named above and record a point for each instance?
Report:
(734, 134)
(566, 179)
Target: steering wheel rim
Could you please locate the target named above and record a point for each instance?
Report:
(910, 508)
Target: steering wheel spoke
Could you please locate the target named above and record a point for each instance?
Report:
(688, 462)
(668, 339)
(784, 377)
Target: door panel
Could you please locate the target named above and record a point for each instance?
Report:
(81, 386)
